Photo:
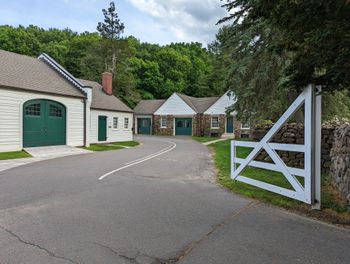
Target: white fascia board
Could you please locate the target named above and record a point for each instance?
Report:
(62, 71)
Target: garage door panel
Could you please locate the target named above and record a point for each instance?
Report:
(144, 126)
(44, 123)
(183, 126)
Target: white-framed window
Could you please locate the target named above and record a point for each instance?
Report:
(115, 122)
(163, 122)
(214, 122)
(126, 122)
(245, 125)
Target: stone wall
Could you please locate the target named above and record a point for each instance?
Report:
(197, 125)
(294, 134)
(206, 126)
(239, 131)
(340, 160)
(158, 130)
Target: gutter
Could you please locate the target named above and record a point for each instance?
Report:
(85, 122)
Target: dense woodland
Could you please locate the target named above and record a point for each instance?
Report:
(143, 70)
(265, 52)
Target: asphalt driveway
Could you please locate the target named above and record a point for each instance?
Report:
(156, 203)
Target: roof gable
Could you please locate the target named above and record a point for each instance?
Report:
(221, 105)
(175, 105)
(148, 107)
(101, 100)
(27, 73)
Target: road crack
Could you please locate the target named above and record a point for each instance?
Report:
(50, 253)
(195, 243)
(135, 257)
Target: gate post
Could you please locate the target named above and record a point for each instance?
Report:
(316, 159)
(233, 157)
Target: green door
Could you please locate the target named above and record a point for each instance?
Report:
(44, 123)
(144, 126)
(183, 126)
(229, 124)
(102, 128)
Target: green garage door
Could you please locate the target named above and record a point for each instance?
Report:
(183, 126)
(44, 123)
(144, 126)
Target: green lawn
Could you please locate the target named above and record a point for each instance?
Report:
(112, 146)
(14, 155)
(204, 139)
(330, 199)
(127, 143)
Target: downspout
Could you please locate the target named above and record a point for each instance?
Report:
(85, 122)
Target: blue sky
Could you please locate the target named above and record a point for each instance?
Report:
(155, 21)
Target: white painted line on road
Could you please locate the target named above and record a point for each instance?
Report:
(140, 160)
(151, 155)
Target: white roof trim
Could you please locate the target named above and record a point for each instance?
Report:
(63, 72)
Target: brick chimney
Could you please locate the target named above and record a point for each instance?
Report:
(107, 83)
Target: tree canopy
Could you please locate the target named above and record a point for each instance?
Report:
(273, 49)
(142, 70)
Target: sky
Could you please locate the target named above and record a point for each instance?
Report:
(154, 21)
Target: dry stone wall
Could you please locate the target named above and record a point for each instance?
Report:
(340, 161)
(294, 134)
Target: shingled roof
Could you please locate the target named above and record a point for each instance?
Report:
(27, 73)
(200, 104)
(148, 107)
(103, 101)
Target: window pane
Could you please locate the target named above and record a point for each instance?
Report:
(55, 111)
(215, 121)
(163, 121)
(115, 122)
(126, 122)
(33, 110)
(245, 124)
(179, 123)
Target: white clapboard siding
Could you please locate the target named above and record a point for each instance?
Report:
(113, 135)
(175, 106)
(220, 106)
(11, 119)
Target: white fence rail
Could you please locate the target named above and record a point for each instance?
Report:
(310, 191)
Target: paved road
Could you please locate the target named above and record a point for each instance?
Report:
(166, 209)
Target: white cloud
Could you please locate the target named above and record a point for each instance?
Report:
(187, 20)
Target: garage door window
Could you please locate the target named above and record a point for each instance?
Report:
(55, 111)
(33, 110)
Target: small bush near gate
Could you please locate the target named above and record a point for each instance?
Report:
(334, 209)
(14, 155)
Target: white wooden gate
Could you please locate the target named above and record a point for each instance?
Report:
(310, 192)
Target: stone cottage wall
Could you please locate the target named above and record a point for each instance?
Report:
(198, 125)
(340, 160)
(206, 124)
(294, 134)
(157, 130)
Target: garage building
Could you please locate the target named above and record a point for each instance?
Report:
(42, 104)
